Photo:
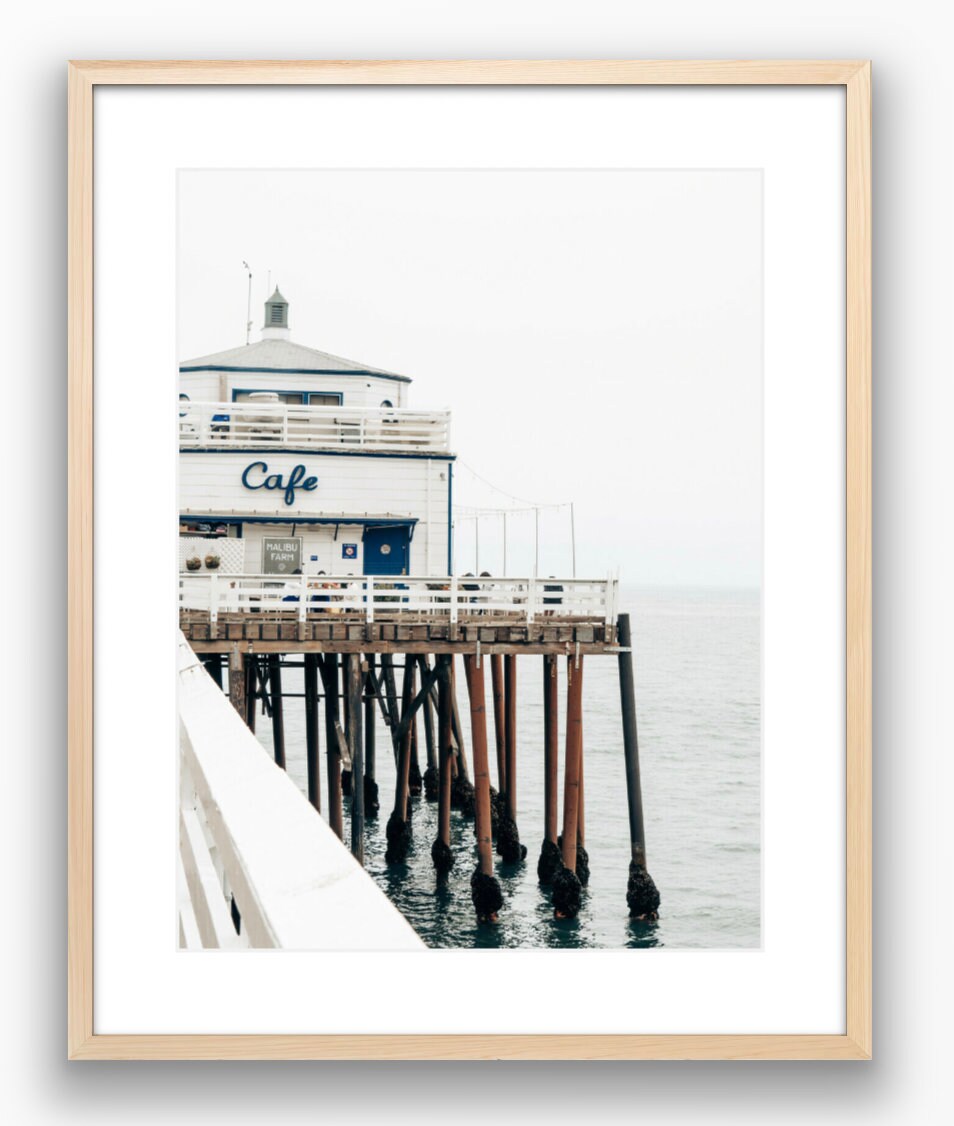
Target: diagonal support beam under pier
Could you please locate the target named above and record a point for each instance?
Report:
(429, 680)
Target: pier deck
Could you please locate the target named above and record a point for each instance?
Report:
(352, 633)
(346, 634)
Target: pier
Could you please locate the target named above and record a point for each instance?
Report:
(346, 631)
(316, 531)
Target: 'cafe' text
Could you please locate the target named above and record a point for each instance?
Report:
(297, 479)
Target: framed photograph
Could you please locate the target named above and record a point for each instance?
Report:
(470, 560)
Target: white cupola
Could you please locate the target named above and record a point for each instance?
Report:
(276, 318)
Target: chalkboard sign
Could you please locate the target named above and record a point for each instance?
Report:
(281, 556)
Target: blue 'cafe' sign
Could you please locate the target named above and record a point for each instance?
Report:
(256, 476)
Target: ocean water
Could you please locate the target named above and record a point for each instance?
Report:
(697, 656)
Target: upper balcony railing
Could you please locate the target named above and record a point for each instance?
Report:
(249, 425)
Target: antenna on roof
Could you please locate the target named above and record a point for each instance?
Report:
(248, 311)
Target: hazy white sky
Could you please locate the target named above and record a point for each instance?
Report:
(598, 336)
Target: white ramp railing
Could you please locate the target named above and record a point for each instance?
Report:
(258, 867)
(377, 597)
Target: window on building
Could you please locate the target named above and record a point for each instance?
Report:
(386, 404)
(296, 398)
(283, 396)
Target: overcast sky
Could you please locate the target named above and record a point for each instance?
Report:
(598, 336)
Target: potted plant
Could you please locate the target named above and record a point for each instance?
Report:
(212, 561)
(193, 563)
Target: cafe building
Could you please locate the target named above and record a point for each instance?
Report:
(292, 459)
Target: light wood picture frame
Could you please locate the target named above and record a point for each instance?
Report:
(856, 1041)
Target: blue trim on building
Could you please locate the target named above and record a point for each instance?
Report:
(353, 521)
(450, 517)
(313, 452)
(301, 371)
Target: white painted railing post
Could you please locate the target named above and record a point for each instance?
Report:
(302, 598)
(453, 600)
(531, 598)
(213, 597)
(369, 597)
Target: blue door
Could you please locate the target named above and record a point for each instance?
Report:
(387, 550)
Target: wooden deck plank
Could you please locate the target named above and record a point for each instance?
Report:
(350, 632)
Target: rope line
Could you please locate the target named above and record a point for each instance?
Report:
(503, 492)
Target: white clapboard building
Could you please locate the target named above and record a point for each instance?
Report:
(293, 459)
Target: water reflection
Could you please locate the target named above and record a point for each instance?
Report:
(642, 935)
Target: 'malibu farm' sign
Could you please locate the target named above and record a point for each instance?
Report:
(281, 557)
(256, 476)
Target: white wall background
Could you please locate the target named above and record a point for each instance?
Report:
(914, 668)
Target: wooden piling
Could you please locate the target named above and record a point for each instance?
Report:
(551, 748)
(390, 691)
(329, 677)
(278, 709)
(428, 708)
(430, 783)
(251, 689)
(369, 733)
(345, 698)
(478, 733)
(398, 830)
(642, 895)
(500, 736)
(574, 755)
(627, 695)
(414, 768)
(356, 750)
(510, 716)
(550, 863)
(237, 682)
(312, 729)
(371, 698)
(444, 726)
(404, 756)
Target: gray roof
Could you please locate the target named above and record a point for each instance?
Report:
(285, 356)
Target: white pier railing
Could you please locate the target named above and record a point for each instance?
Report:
(379, 597)
(245, 425)
(258, 867)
